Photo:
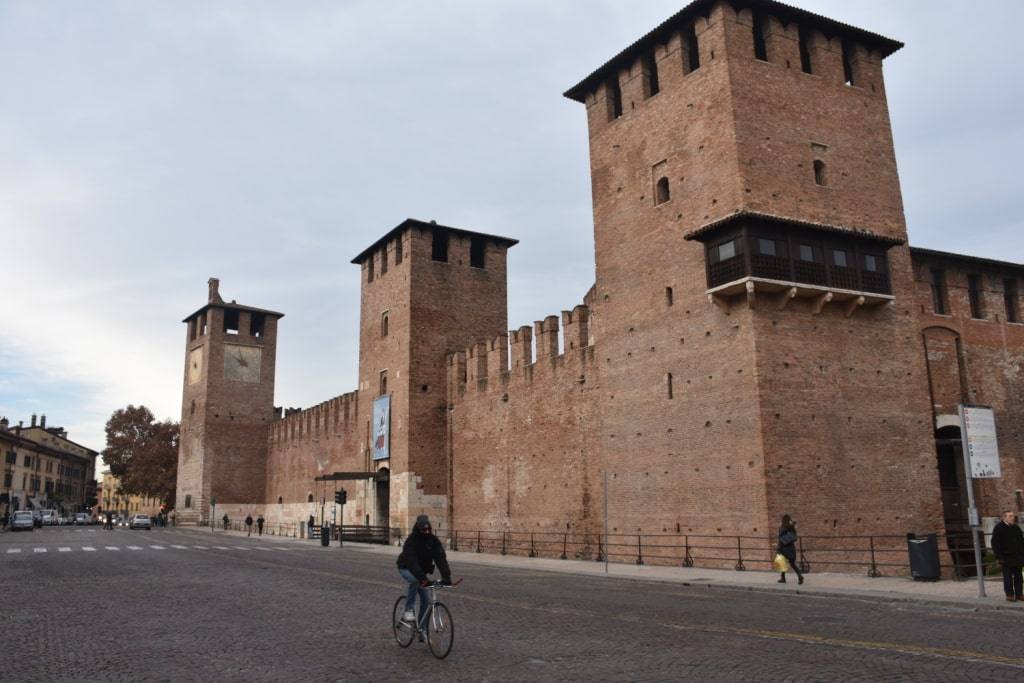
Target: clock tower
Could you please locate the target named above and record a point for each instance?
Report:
(227, 403)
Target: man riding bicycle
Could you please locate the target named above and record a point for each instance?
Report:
(419, 553)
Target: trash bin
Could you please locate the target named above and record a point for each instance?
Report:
(325, 535)
(924, 557)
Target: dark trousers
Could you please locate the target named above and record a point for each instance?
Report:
(1013, 581)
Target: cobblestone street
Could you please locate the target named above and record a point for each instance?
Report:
(85, 604)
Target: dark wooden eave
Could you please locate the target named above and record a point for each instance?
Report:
(701, 233)
(425, 225)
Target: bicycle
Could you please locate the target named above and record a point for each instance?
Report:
(439, 631)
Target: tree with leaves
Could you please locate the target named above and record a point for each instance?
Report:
(143, 453)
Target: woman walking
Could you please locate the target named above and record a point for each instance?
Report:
(787, 547)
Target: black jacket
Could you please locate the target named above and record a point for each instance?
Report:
(787, 543)
(419, 554)
(1008, 544)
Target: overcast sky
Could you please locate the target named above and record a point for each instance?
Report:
(149, 146)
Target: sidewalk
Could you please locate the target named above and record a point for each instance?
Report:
(893, 589)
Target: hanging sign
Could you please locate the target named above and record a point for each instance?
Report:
(979, 437)
(381, 428)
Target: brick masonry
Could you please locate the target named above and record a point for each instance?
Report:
(707, 419)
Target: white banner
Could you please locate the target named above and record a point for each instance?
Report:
(979, 436)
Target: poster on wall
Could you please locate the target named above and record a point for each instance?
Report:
(979, 437)
(382, 428)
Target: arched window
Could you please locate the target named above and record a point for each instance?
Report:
(819, 172)
(280, 500)
(384, 324)
(309, 499)
(661, 193)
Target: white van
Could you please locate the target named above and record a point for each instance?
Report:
(49, 517)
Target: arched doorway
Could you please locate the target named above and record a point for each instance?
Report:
(953, 486)
(382, 494)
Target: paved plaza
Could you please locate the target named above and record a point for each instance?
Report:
(85, 604)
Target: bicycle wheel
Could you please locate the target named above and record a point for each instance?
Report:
(440, 631)
(405, 632)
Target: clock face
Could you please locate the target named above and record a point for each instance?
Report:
(242, 363)
(195, 365)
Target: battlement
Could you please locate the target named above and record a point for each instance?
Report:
(522, 353)
(709, 33)
(327, 419)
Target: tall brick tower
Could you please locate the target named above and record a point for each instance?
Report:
(753, 301)
(227, 403)
(427, 290)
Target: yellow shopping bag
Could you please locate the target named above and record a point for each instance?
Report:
(780, 563)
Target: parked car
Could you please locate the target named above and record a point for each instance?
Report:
(23, 519)
(81, 519)
(49, 517)
(140, 522)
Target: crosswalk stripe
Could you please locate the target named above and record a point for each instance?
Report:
(280, 547)
(222, 547)
(88, 549)
(135, 547)
(39, 550)
(260, 547)
(157, 547)
(180, 547)
(11, 551)
(111, 547)
(64, 549)
(199, 547)
(240, 547)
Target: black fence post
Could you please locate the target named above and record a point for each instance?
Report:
(533, 549)
(600, 550)
(639, 550)
(478, 541)
(687, 558)
(565, 543)
(503, 550)
(455, 540)
(805, 566)
(873, 571)
(740, 567)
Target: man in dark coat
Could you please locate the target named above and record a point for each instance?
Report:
(419, 554)
(259, 524)
(248, 524)
(1008, 546)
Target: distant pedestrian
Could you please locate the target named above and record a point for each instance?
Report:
(787, 547)
(225, 520)
(248, 524)
(1008, 547)
(174, 520)
(310, 525)
(109, 526)
(259, 524)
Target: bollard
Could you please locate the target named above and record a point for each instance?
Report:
(325, 535)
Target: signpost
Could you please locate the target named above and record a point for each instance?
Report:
(981, 461)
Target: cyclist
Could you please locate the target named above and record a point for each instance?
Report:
(420, 552)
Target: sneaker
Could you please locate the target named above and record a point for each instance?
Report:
(800, 580)
(409, 616)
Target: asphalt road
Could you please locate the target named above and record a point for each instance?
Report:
(83, 604)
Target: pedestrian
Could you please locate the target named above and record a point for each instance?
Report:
(787, 547)
(109, 526)
(174, 520)
(248, 524)
(310, 525)
(225, 520)
(1008, 547)
(259, 524)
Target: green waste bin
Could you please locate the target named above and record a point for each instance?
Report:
(325, 535)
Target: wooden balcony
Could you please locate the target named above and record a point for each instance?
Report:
(779, 293)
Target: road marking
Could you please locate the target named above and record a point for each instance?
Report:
(11, 551)
(88, 549)
(64, 549)
(135, 547)
(280, 547)
(259, 547)
(39, 550)
(240, 547)
(222, 547)
(157, 547)
(199, 547)
(111, 547)
(180, 547)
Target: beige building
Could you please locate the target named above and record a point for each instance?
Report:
(111, 497)
(43, 469)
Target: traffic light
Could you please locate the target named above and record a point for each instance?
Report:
(340, 497)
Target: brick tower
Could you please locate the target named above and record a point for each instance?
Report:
(427, 290)
(227, 403)
(753, 300)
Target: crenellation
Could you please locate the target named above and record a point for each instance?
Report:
(476, 363)
(520, 348)
(497, 356)
(576, 328)
(826, 56)
(782, 42)
(546, 333)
